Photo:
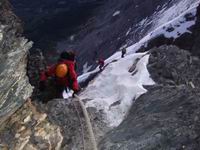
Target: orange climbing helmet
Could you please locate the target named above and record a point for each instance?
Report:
(61, 70)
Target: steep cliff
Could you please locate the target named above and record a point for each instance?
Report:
(21, 125)
(14, 83)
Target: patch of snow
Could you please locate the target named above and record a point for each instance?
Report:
(114, 90)
(1, 35)
(67, 94)
(72, 37)
(179, 24)
(85, 76)
(86, 68)
(167, 14)
(116, 13)
(129, 30)
(157, 7)
(143, 22)
(184, 25)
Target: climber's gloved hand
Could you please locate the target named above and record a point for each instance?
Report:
(76, 92)
(42, 85)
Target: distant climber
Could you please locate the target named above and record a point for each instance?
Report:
(63, 76)
(123, 52)
(100, 63)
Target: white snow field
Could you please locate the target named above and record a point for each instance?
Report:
(179, 24)
(115, 89)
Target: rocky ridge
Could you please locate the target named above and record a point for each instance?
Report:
(14, 83)
(29, 129)
(21, 125)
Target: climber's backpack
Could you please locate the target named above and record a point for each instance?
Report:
(61, 70)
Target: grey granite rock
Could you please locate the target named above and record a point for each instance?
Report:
(167, 116)
(14, 83)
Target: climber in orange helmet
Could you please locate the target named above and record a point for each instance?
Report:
(63, 72)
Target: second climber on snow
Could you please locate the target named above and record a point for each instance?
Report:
(123, 52)
(101, 64)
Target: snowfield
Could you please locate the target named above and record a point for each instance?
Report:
(172, 29)
(115, 89)
(168, 14)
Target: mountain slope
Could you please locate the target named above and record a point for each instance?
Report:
(167, 116)
(146, 100)
(136, 19)
(113, 91)
(110, 26)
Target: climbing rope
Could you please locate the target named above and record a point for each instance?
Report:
(88, 122)
(82, 131)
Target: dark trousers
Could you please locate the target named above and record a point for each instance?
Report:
(101, 67)
(52, 91)
(123, 55)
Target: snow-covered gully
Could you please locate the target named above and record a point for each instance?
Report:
(114, 90)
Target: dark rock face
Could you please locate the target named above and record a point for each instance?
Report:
(172, 66)
(46, 22)
(68, 115)
(167, 116)
(14, 84)
(29, 129)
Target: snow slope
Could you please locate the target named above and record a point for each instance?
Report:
(169, 11)
(167, 14)
(114, 90)
(172, 29)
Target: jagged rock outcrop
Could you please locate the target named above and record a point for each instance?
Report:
(14, 83)
(21, 125)
(67, 114)
(167, 116)
(171, 66)
(29, 129)
(45, 22)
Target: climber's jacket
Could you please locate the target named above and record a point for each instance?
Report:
(70, 80)
(101, 62)
(124, 50)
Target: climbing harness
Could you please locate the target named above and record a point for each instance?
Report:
(88, 123)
